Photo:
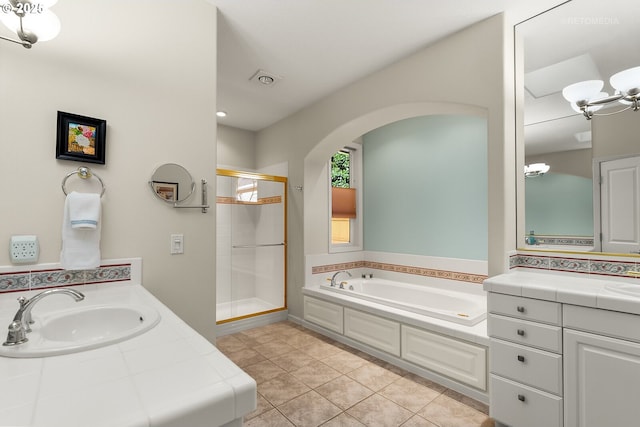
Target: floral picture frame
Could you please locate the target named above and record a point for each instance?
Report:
(81, 138)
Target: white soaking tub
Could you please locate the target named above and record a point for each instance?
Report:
(454, 306)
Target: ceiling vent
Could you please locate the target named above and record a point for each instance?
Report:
(265, 78)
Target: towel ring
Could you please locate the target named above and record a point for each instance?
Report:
(84, 173)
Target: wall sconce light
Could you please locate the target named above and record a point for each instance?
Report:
(587, 97)
(536, 169)
(30, 21)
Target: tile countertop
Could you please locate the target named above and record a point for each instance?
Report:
(568, 289)
(167, 377)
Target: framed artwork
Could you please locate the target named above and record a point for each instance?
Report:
(80, 138)
(166, 190)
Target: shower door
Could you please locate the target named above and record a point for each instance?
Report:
(251, 244)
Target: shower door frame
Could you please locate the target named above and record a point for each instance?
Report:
(263, 177)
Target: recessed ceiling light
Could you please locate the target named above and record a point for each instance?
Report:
(221, 114)
(264, 78)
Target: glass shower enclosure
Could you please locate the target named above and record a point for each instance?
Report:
(251, 243)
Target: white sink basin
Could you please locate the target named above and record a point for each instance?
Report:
(624, 288)
(85, 328)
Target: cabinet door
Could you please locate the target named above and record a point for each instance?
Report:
(602, 381)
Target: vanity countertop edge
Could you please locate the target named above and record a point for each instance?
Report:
(168, 376)
(594, 292)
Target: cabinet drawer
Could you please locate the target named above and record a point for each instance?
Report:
(375, 331)
(527, 365)
(525, 308)
(546, 337)
(323, 313)
(520, 406)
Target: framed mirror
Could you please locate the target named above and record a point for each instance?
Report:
(172, 183)
(564, 208)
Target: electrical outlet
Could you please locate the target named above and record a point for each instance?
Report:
(24, 249)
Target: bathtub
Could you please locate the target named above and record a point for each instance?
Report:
(453, 306)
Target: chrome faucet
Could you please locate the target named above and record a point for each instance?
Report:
(333, 278)
(20, 325)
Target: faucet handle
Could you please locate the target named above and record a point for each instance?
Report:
(16, 334)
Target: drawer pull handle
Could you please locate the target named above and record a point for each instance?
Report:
(520, 358)
(521, 332)
(520, 309)
(521, 398)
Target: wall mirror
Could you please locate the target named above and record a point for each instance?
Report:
(577, 41)
(172, 183)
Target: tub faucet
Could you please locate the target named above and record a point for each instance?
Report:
(20, 325)
(333, 278)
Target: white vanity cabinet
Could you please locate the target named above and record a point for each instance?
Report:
(525, 361)
(602, 368)
(569, 357)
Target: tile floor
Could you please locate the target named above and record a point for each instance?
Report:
(306, 379)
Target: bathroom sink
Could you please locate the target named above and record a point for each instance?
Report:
(75, 330)
(624, 288)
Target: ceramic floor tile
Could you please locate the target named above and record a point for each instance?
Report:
(262, 406)
(344, 392)
(271, 418)
(273, 348)
(409, 394)
(344, 362)
(447, 412)
(343, 420)
(245, 358)
(230, 344)
(309, 409)
(320, 350)
(373, 376)
(315, 374)
(425, 382)
(377, 411)
(418, 421)
(282, 389)
(293, 360)
(479, 406)
(263, 371)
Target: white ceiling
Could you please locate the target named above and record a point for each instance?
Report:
(320, 46)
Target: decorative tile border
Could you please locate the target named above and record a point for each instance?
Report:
(613, 268)
(564, 241)
(397, 268)
(51, 278)
(262, 201)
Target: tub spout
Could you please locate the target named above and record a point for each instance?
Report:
(333, 278)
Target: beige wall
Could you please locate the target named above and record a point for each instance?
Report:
(469, 71)
(157, 111)
(236, 148)
(626, 128)
(574, 162)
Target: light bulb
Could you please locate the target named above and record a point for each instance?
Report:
(626, 80)
(44, 25)
(582, 91)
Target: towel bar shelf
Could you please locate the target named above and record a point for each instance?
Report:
(84, 173)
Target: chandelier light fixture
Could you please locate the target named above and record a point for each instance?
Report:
(536, 169)
(587, 97)
(31, 21)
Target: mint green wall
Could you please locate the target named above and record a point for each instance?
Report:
(559, 204)
(425, 187)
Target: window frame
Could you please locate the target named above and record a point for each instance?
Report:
(355, 181)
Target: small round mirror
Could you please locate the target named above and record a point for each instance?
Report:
(172, 183)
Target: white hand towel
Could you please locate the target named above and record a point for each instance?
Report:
(84, 209)
(81, 246)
